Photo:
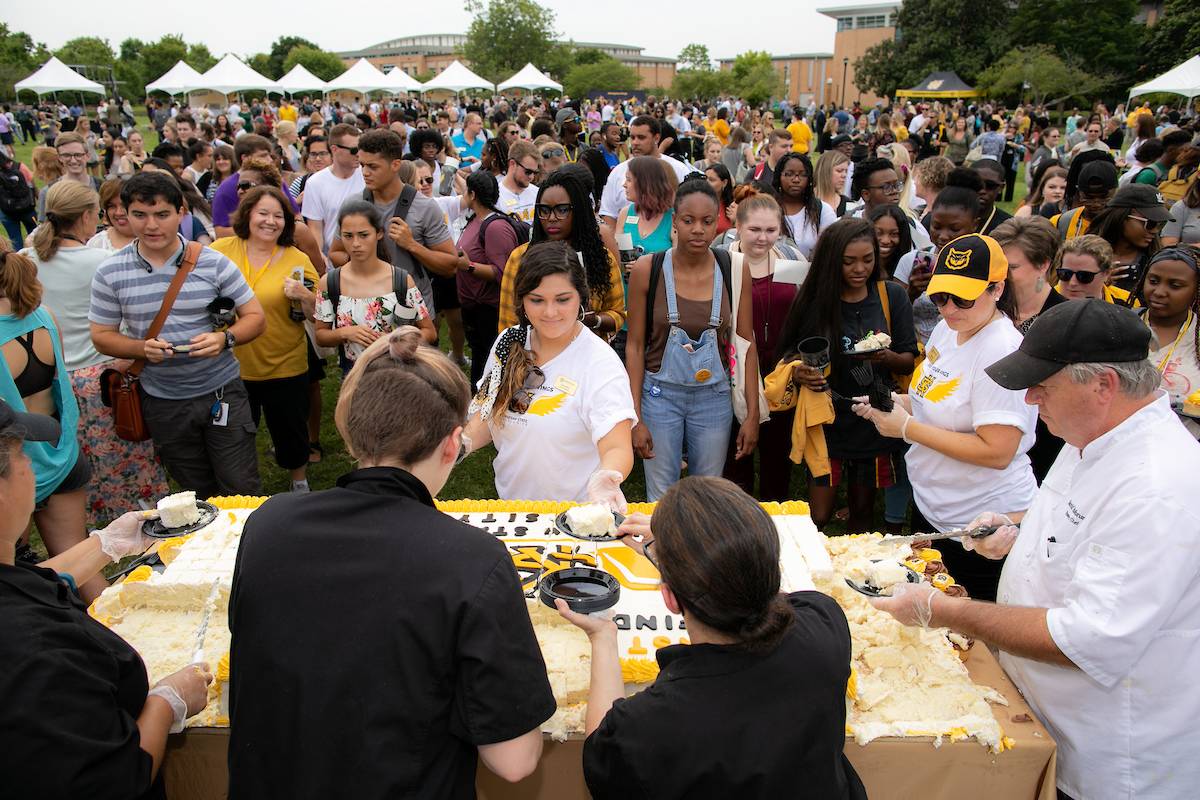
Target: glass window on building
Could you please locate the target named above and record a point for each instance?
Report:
(845, 23)
(872, 21)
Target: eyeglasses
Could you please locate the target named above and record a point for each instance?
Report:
(530, 172)
(320, 154)
(992, 185)
(941, 298)
(559, 211)
(72, 156)
(245, 186)
(427, 180)
(351, 150)
(464, 448)
(534, 378)
(650, 556)
(894, 186)
(553, 152)
(1150, 225)
(1082, 275)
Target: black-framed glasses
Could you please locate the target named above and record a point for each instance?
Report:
(1151, 225)
(245, 186)
(941, 298)
(557, 211)
(553, 152)
(649, 555)
(894, 186)
(320, 154)
(528, 172)
(464, 449)
(1082, 275)
(351, 150)
(534, 378)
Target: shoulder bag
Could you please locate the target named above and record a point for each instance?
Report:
(118, 387)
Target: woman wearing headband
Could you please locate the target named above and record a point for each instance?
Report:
(554, 398)
(1170, 291)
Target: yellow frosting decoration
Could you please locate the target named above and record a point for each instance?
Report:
(237, 501)
(942, 581)
(167, 548)
(852, 685)
(639, 670)
(929, 554)
(1194, 397)
(916, 564)
(791, 507)
(222, 671)
(142, 573)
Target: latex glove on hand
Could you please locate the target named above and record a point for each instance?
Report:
(594, 625)
(996, 545)
(186, 691)
(123, 536)
(604, 487)
(909, 603)
(892, 423)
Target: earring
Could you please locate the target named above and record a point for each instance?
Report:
(1041, 284)
(582, 313)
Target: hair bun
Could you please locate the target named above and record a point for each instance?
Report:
(403, 344)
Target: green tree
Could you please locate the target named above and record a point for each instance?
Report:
(607, 74)
(19, 56)
(87, 50)
(160, 56)
(1038, 74)
(755, 77)
(702, 84)
(506, 35)
(1107, 44)
(963, 36)
(695, 57)
(322, 63)
(590, 55)
(200, 58)
(260, 63)
(1173, 39)
(280, 50)
(558, 61)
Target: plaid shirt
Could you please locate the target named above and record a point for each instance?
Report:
(612, 303)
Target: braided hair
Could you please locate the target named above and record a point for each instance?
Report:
(1190, 255)
(585, 232)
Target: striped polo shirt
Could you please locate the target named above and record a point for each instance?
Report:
(128, 291)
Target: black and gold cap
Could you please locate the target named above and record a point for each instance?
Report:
(966, 266)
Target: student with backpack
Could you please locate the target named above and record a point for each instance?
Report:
(17, 202)
(486, 242)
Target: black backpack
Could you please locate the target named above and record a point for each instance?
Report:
(333, 285)
(724, 262)
(520, 228)
(16, 196)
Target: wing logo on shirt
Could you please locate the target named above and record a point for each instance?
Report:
(545, 406)
(940, 390)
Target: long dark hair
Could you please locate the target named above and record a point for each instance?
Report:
(817, 309)
(906, 242)
(723, 175)
(1109, 225)
(357, 207)
(585, 233)
(809, 199)
(718, 552)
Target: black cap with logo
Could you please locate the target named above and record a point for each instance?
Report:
(1144, 199)
(1076, 332)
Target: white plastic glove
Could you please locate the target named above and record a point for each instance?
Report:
(604, 487)
(186, 691)
(997, 545)
(893, 424)
(910, 603)
(123, 536)
(172, 697)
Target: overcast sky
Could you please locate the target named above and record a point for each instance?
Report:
(727, 27)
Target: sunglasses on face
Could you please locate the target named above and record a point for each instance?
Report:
(529, 172)
(1150, 225)
(1082, 275)
(351, 150)
(992, 186)
(559, 211)
(245, 186)
(941, 298)
(427, 180)
(534, 378)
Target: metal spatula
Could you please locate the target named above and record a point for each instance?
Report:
(975, 533)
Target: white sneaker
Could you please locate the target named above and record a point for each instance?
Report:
(300, 486)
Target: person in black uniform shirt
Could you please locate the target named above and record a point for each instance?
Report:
(74, 706)
(992, 176)
(770, 667)
(379, 646)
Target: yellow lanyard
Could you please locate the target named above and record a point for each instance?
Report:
(253, 278)
(1182, 330)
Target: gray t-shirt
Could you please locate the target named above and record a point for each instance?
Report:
(428, 225)
(127, 291)
(1184, 224)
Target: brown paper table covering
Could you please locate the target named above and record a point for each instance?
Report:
(195, 766)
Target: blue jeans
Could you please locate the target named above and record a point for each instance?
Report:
(898, 496)
(12, 228)
(701, 416)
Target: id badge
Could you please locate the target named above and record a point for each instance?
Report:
(221, 418)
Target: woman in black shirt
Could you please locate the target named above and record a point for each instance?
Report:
(755, 706)
(79, 717)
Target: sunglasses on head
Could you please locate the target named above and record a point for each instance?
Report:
(941, 298)
(534, 378)
(1082, 275)
(553, 152)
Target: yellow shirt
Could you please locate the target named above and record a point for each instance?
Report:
(612, 303)
(720, 129)
(281, 350)
(1077, 227)
(288, 113)
(801, 136)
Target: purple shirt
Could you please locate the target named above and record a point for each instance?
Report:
(225, 201)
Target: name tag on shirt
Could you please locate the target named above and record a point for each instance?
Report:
(565, 385)
(632, 218)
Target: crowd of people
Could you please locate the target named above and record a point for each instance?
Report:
(606, 274)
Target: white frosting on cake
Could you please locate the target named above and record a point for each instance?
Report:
(592, 520)
(178, 510)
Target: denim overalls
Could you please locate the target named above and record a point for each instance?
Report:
(687, 400)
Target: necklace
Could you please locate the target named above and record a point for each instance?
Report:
(1182, 330)
(253, 277)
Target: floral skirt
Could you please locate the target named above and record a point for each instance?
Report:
(122, 472)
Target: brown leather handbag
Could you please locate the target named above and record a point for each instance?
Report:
(118, 387)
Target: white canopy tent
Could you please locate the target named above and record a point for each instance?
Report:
(401, 81)
(55, 76)
(299, 79)
(457, 78)
(362, 77)
(531, 78)
(230, 75)
(179, 79)
(1183, 79)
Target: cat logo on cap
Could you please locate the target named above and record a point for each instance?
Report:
(958, 259)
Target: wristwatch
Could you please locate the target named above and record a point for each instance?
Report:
(230, 340)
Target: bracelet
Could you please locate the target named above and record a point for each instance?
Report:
(904, 431)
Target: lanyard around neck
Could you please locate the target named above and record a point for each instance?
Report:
(1187, 323)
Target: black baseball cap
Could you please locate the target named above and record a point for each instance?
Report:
(967, 265)
(1098, 176)
(1144, 199)
(30, 427)
(840, 139)
(1076, 332)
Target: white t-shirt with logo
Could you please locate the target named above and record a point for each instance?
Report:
(950, 390)
(549, 452)
(323, 197)
(519, 204)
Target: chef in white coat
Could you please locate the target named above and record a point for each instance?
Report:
(1098, 612)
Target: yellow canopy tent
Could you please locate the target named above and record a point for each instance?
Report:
(940, 85)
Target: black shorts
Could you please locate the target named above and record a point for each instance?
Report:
(78, 478)
(445, 294)
(6, 137)
(316, 364)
